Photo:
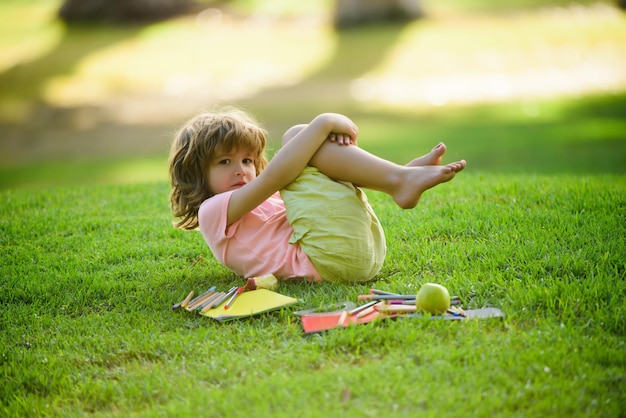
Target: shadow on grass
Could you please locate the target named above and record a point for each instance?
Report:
(357, 51)
(28, 80)
(583, 136)
(33, 131)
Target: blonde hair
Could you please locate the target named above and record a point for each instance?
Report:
(195, 144)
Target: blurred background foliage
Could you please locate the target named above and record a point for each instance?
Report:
(94, 95)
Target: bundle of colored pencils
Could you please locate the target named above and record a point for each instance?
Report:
(388, 302)
(210, 299)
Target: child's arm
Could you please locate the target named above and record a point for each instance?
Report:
(288, 163)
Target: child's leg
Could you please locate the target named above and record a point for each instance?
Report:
(328, 214)
(405, 184)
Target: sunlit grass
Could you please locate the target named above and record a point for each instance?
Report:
(210, 55)
(542, 53)
(28, 30)
(89, 274)
(282, 8)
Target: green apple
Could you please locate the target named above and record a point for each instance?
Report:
(433, 298)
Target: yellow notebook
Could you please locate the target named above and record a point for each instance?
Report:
(251, 303)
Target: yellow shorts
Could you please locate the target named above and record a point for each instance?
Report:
(335, 226)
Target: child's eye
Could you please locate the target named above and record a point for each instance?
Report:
(248, 161)
(224, 161)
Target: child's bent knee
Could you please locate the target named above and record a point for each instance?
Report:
(292, 132)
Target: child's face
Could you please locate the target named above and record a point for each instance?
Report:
(231, 170)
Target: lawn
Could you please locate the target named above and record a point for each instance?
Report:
(89, 275)
(535, 226)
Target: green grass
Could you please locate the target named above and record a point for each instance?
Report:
(89, 274)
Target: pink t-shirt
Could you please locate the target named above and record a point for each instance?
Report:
(256, 244)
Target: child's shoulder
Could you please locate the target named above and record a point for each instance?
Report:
(216, 201)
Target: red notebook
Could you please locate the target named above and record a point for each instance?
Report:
(316, 322)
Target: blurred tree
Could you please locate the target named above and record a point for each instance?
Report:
(360, 12)
(122, 10)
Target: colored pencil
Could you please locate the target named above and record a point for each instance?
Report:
(184, 302)
(194, 304)
(232, 298)
(226, 296)
(456, 311)
(360, 308)
(401, 302)
(202, 296)
(208, 305)
(342, 318)
(397, 308)
(385, 297)
(381, 292)
(369, 310)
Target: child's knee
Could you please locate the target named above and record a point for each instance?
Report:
(292, 132)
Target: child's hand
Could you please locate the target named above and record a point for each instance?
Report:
(343, 131)
(341, 139)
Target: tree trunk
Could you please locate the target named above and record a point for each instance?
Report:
(362, 12)
(122, 10)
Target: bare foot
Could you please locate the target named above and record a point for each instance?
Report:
(432, 158)
(421, 178)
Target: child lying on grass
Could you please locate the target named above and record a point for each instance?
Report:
(303, 214)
